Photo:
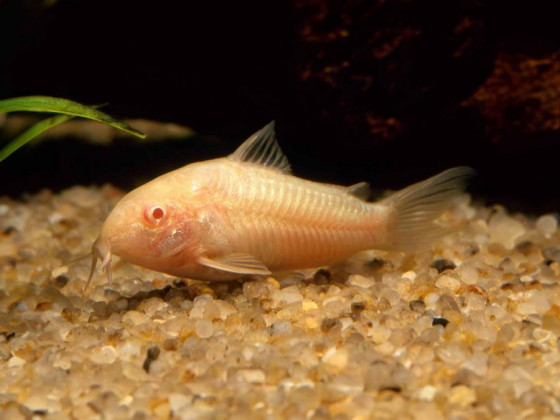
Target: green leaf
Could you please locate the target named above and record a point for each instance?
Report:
(31, 133)
(63, 106)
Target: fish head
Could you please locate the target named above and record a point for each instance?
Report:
(151, 227)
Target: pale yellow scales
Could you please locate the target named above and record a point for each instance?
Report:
(245, 214)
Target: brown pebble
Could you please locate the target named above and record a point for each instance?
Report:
(179, 283)
(383, 305)
(188, 375)
(376, 263)
(40, 412)
(526, 247)
(475, 288)
(170, 344)
(322, 277)
(43, 306)
(506, 265)
(442, 264)
(463, 377)
(395, 389)
(440, 321)
(358, 307)
(551, 254)
(27, 254)
(8, 262)
(8, 229)
(473, 249)
(70, 314)
(417, 305)
(514, 284)
(60, 281)
(151, 355)
(328, 323)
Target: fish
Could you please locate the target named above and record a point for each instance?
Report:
(246, 215)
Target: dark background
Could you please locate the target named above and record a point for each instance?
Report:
(384, 91)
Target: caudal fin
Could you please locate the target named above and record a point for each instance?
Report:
(414, 209)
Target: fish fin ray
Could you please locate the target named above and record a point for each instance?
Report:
(360, 190)
(288, 275)
(236, 263)
(263, 149)
(415, 208)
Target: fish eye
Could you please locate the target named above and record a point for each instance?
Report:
(154, 214)
(157, 213)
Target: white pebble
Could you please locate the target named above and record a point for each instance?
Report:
(337, 358)
(462, 396)
(409, 275)
(477, 363)
(526, 279)
(130, 349)
(536, 302)
(198, 309)
(204, 328)
(4, 207)
(469, 274)
(360, 281)
(135, 317)
(542, 336)
(289, 295)
(225, 308)
(452, 354)
(448, 282)
(520, 379)
(505, 229)
(81, 196)
(55, 217)
(281, 327)
(42, 401)
(59, 271)
(63, 363)
(103, 355)
(547, 225)
(253, 376)
(16, 361)
(178, 401)
(379, 334)
(427, 393)
(430, 300)
(309, 305)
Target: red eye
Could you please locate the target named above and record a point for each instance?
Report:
(157, 213)
(154, 214)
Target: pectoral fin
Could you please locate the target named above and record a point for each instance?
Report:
(236, 263)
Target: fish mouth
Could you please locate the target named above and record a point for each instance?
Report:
(100, 250)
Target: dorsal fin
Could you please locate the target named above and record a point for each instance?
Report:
(263, 149)
(361, 190)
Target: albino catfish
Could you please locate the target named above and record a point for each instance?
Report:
(245, 214)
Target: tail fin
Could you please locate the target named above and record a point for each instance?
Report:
(414, 209)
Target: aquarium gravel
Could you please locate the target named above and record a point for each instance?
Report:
(466, 330)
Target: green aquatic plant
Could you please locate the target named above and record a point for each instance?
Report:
(65, 108)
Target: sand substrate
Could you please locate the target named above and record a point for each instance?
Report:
(466, 330)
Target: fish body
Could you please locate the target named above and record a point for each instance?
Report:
(245, 214)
